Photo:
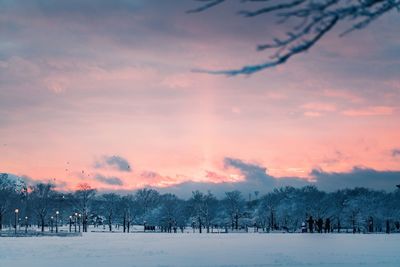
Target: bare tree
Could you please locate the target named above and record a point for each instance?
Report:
(313, 20)
(7, 187)
(84, 195)
(235, 204)
(41, 201)
(196, 203)
(210, 209)
(110, 206)
(146, 199)
(170, 212)
(268, 208)
(203, 208)
(313, 201)
(338, 203)
(127, 206)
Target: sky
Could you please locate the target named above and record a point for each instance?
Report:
(104, 92)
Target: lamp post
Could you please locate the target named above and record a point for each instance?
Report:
(26, 224)
(144, 226)
(70, 223)
(51, 223)
(79, 221)
(124, 222)
(57, 212)
(129, 221)
(84, 222)
(16, 220)
(76, 220)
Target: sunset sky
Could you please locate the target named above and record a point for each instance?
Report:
(103, 92)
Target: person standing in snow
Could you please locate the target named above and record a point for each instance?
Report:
(310, 222)
(320, 223)
(387, 227)
(303, 227)
(327, 225)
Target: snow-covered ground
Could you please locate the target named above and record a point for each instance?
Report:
(156, 249)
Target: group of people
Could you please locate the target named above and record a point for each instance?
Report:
(316, 225)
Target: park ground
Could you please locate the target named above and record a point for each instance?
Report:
(188, 249)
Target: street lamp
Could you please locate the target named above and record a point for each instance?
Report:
(79, 222)
(129, 221)
(26, 224)
(51, 223)
(76, 220)
(57, 212)
(16, 220)
(70, 223)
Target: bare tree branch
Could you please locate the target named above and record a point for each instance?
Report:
(316, 18)
(209, 4)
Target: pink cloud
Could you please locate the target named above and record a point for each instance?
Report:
(370, 111)
(312, 114)
(319, 106)
(342, 94)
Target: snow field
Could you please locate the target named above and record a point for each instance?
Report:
(211, 250)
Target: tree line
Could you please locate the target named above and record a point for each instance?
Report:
(282, 209)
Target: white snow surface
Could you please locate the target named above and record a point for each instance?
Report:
(158, 249)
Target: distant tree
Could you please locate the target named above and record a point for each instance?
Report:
(268, 207)
(203, 208)
(356, 201)
(83, 197)
(313, 201)
(312, 21)
(146, 199)
(110, 207)
(195, 205)
(289, 207)
(181, 216)
(235, 207)
(170, 212)
(393, 204)
(41, 199)
(128, 211)
(8, 194)
(210, 209)
(338, 204)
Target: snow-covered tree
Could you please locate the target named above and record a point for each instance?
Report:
(41, 199)
(203, 209)
(11, 192)
(83, 196)
(110, 202)
(235, 207)
(147, 199)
